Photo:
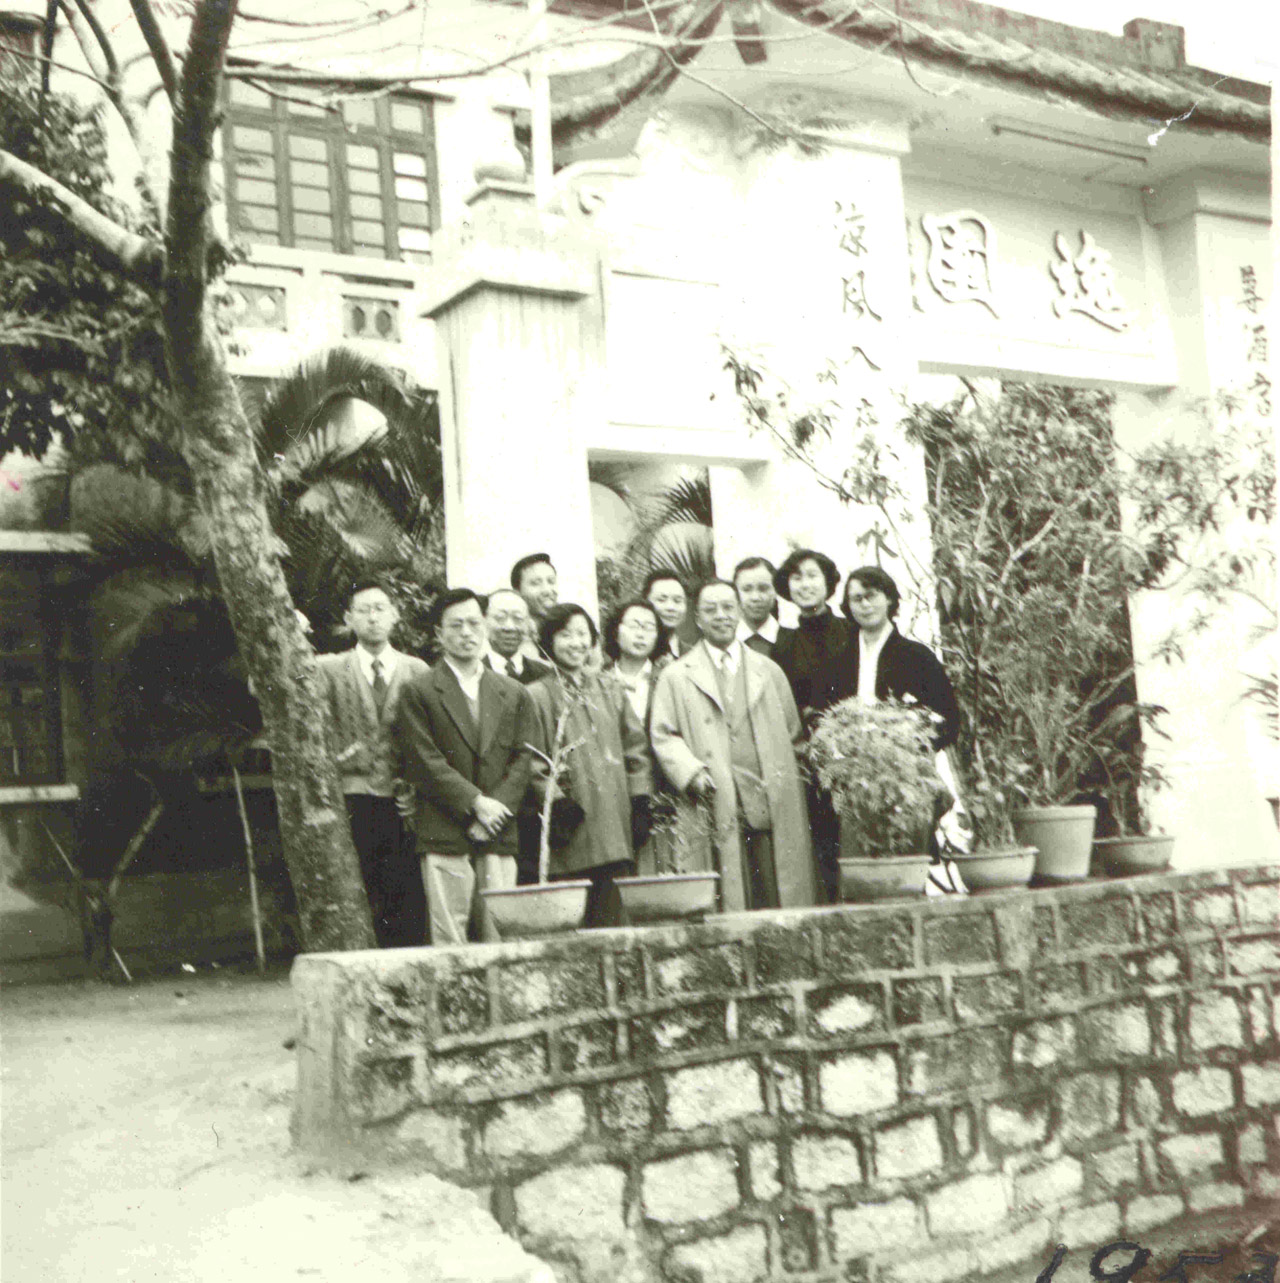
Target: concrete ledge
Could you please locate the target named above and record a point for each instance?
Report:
(834, 1087)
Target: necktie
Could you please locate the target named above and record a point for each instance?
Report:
(511, 667)
(726, 681)
(379, 685)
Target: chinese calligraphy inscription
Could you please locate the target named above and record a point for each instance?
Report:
(1256, 337)
(1088, 283)
(962, 245)
(851, 228)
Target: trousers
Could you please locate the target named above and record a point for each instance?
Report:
(453, 884)
(389, 867)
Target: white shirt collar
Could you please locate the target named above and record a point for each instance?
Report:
(499, 662)
(727, 659)
(470, 683)
(639, 679)
(768, 630)
(387, 658)
(868, 662)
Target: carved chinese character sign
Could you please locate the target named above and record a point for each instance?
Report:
(962, 245)
(1088, 283)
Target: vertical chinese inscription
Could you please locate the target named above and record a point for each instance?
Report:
(1256, 351)
(851, 231)
(1088, 283)
(962, 246)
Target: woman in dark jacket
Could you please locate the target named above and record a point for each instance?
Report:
(903, 668)
(607, 780)
(808, 652)
(809, 655)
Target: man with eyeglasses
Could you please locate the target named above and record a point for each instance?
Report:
(362, 687)
(461, 737)
(506, 617)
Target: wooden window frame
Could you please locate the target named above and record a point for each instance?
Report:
(48, 681)
(335, 132)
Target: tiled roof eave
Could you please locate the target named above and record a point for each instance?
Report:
(1110, 89)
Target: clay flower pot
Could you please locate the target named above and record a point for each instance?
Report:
(1005, 869)
(1125, 857)
(1063, 836)
(522, 913)
(662, 896)
(891, 877)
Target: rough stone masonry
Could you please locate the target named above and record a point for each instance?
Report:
(893, 1093)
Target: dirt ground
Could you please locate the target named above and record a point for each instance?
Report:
(144, 1132)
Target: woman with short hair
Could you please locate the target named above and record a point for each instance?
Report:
(808, 579)
(880, 663)
(808, 655)
(602, 808)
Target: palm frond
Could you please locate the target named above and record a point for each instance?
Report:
(132, 521)
(687, 500)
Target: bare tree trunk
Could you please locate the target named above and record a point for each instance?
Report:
(230, 491)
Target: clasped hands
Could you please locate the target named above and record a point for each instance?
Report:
(491, 817)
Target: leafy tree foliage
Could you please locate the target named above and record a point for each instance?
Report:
(81, 348)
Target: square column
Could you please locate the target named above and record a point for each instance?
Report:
(514, 297)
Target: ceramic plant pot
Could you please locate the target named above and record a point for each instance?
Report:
(1005, 869)
(522, 913)
(1127, 856)
(1063, 838)
(891, 877)
(663, 896)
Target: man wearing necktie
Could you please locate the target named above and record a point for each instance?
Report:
(758, 603)
(362, 686)
(725, 728)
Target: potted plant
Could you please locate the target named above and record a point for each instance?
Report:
(997, 860)
(1137, 847)
(546, 907)
(679, 888)
(877, 762)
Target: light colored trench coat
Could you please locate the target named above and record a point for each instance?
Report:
(689, 730)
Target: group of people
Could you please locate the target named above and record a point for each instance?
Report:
(686, 717)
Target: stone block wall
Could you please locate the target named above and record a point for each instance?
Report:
(908, 1092)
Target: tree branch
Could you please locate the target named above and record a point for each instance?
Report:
(187, 231)
(160, 52)
(137, 256)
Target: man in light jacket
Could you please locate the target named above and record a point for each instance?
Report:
(362, 689)
(724, 729)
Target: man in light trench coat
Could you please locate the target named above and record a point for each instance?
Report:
(725, 729)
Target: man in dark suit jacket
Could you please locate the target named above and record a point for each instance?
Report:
(362, 688)
(506, 617)
(461, 736)
(758, 600)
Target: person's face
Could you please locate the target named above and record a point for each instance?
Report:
(718, 614)
(756, 595)
(868, 607)
(508, 623)
(808, 585)
(540, 588)
(668, 599)
(572, 644)
(371, 617)
(461, 631)
(637, 633)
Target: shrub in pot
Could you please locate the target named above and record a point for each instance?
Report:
(877, 763)
(1137, 847)
(682, 887)
(998, 860)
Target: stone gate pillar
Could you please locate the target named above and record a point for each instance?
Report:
(512, 295)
